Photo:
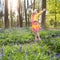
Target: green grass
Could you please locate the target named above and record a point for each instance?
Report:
(11, 41)
(27, 52)
(24, 35)
(32, 51)
(15, 36)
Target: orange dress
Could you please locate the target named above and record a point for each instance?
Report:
(35, 24)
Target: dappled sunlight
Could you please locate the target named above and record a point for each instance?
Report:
(13, 3)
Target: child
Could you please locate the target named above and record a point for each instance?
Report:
(35, 24)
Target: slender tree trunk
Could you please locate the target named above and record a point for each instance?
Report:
(43, 22)
(39, 5)
(31, 4)
(34, 5)
(19, 19)
(55, 23)
(28, 13)
(25, 12)
(19, 13)
(11, 14)
(6, 15)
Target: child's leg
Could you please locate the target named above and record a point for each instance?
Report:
(38, 36)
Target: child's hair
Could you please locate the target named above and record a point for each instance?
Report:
(35, 11)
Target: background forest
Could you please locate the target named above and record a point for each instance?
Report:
(17, 13)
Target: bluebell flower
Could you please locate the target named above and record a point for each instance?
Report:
(26, 52)
(21, 48)
(0, 54)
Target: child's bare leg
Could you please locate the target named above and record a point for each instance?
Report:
(38, 36)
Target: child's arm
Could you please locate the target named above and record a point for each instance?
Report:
(41, 12)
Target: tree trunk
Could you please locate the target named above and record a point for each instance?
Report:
(11, 14)
(28, 13)
(43, 22)
(55, 23)
(19, 21)
(34, 5)
(6, 15)
(25, 12)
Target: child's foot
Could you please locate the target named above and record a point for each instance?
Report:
(37, 40)
(40, 39)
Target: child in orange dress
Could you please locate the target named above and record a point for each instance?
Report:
(35, 24)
